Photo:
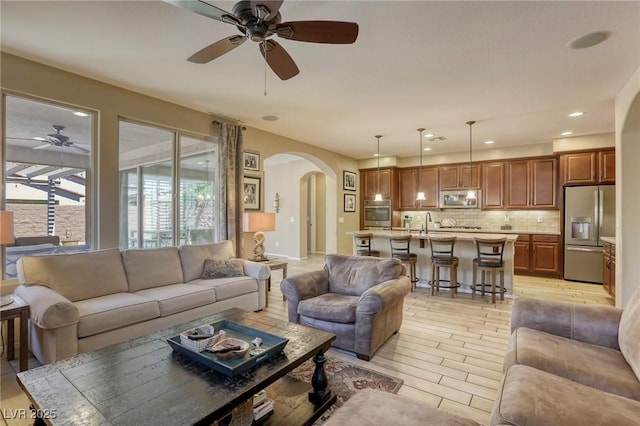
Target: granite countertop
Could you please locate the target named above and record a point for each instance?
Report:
(467, 235)
(483, 231)
(611, 240)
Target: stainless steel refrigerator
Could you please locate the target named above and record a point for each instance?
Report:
(589, 214)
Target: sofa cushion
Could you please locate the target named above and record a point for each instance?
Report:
(114, 311)
(148, 268)
(179, 297)
(214, 268)
(596, 366)
(629, 333)
(228, 288)
(193, 257)
(330, 307)
(352, 275)
(527, 396)
(78, 276)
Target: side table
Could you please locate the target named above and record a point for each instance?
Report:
(18, 309)
(275, 265)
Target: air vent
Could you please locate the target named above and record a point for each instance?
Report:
(438, 138)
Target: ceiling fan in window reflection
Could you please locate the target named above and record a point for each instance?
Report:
(258, 20)
(57, 139)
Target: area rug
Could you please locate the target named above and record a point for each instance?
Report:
(345, 379)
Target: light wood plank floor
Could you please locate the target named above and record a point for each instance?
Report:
(449, 352)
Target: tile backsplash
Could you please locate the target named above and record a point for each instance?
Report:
(520, 220)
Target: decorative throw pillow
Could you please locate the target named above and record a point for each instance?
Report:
(214, 268)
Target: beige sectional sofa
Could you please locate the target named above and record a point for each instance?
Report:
(571, 364)
(85, 301)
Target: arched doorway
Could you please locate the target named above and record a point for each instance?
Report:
(306, 187)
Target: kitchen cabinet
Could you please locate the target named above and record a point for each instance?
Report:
(521, 255)
(607, 166)
(588, 168)
(537, 254)
(493, 185)
(459, 177)
(410, 180)
(609, 269)
(532, 183)
(369, 183)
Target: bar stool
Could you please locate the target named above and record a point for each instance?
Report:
(442, 257)
(362, 241)
(489, 260)
(400, 250)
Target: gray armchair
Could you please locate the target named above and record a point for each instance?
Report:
(359, 299)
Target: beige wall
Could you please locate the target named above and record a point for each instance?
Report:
(23, 77)
(627, 116)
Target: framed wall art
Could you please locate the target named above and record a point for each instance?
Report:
(251, 193)
(349, 202)
(252, 161)
(349, 180)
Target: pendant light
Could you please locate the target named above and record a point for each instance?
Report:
(420, 196)
(471, 194)
(378, 194)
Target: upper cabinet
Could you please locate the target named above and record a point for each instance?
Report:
(531, 184)
(459, 177)
(413, 179)
(607, 166)
(588, 168)
(370, 182)
(493, 185)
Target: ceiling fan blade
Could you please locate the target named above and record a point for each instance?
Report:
(332, 32)
(265, 9)
(83, 150)
(22, 139)
(279, 60)
(43, 146)
(205, 9)
(216, 49)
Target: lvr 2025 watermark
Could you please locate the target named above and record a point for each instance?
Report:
(29, 414)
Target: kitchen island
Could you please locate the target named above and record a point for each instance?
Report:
(464, 249)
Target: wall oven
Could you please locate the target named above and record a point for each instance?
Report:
(377, 213)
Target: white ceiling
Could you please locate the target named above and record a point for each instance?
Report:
(415, 64)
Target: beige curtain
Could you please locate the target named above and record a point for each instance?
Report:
(230, 221)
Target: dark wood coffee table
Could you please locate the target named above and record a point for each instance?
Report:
(142, 381)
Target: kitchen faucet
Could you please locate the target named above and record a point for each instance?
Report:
(427, 220)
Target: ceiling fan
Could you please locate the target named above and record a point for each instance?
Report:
(258, 20)
(57, 139)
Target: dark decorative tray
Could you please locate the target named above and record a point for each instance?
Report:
(271, 343)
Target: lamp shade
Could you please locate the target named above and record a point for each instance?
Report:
(255, 222)
(6, 227)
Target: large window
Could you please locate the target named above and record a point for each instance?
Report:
(164, 201)
(47, 172)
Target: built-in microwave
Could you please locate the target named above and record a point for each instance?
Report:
(377, 213)
(459, 200)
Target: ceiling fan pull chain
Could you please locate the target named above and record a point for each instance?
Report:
(264, 47)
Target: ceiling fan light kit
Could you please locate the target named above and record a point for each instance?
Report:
(258, 20)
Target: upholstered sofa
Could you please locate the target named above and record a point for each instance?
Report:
(85, 301)
(359, 299)
(571, 364)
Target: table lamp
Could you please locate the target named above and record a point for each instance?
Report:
(258, 223)
(6, 237)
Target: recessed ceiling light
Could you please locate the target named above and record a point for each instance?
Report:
(80, 114)
(589, 40)
(566, 133)
(429, 135)
(270, 118)
(489, 142)
(576, 114)
(38, 138)
(427, 149)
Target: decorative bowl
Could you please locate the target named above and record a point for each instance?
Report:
(229, 342)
